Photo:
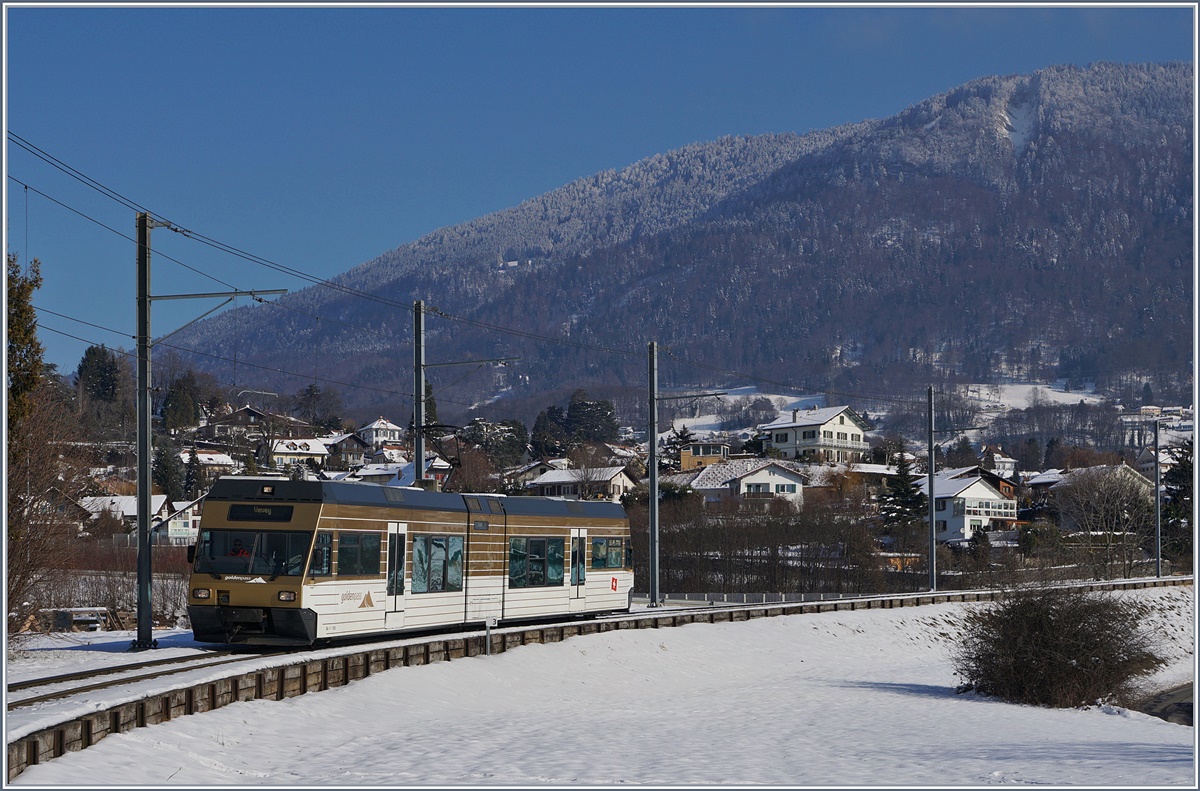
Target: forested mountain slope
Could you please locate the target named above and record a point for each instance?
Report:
(1022, 225)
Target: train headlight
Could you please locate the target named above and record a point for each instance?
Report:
(287, 595)
(201, 593)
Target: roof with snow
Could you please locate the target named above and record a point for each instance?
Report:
(945, 485)
(812, 417)
(575, 476)
(720, 474)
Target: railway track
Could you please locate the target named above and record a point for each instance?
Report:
(315, 670)
(72, 684)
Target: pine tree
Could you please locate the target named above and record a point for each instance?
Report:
(1178, 527)
(25, 365)
(167, 470)
(901, 502)
(99, 373)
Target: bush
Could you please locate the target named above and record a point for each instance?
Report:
(1059, 647)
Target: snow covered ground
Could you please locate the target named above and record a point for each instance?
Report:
(841, 698)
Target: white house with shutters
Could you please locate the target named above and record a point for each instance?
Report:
(833, 434)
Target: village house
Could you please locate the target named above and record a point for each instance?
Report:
(346, 451)
(283, 453)
(964, 506)
(380, 432)
(125, 508)
(518, 477)
(702, 454)
(253, 423)
(213, 463)
(832, 434)
(589, 483)
(745, 479)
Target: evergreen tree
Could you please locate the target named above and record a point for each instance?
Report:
(181, 405)
(1177, 525)
(961, 454)
(167, 470)
(901, 502)
(99, 374)
(25, 365)
(549, 436)
(590, 421)
(681, 436)
(195, 480)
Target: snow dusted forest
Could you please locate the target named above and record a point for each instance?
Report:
(1033, 226)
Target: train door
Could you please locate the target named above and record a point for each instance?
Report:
(394, 616)
(578, 602)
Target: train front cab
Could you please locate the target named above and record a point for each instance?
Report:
(249, 563)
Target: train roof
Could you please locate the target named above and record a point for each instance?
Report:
(261, 489)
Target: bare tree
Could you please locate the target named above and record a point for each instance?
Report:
(46, 475)
(1107, 511)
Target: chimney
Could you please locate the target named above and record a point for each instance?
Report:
(795, 415)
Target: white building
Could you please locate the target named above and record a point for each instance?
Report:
(380, 432)
(754, 479)
(833, 434)
(966, 506)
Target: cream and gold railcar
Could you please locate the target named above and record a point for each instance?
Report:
(281, 562)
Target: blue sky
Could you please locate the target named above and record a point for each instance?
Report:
(319, 138)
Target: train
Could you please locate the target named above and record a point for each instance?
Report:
(295, 563)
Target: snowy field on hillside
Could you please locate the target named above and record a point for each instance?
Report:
(991, 399)
(840, 698)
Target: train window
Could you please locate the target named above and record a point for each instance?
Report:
(395, 578)
(321, 564)
(473, 503)
(358, 554)
(494, 507)
(535, 562)
(578, 567)
(270, 553)
(607, 553)
(437, 564)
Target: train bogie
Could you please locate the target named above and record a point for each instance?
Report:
(295, 562)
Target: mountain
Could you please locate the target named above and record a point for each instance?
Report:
(1026, 225)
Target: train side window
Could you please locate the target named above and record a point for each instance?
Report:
(614, 553)
(322, 555)
(608, 553)
(535, 562)
(395, 578)
(599, 553)
(358, 554)
(437, 564)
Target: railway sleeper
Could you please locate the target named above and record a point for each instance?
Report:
(289, 681)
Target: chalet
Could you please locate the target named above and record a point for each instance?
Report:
(254, 423)
(346, 451)
(832, 434)
(589, 483)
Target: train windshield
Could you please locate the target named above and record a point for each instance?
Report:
(263, 552)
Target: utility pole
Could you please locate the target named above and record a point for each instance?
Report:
(144, 622)
(418, 392)
(931, 503)
(145, 626)
(1157, 508)
(652, 443)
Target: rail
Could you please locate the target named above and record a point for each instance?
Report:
(315, 675)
